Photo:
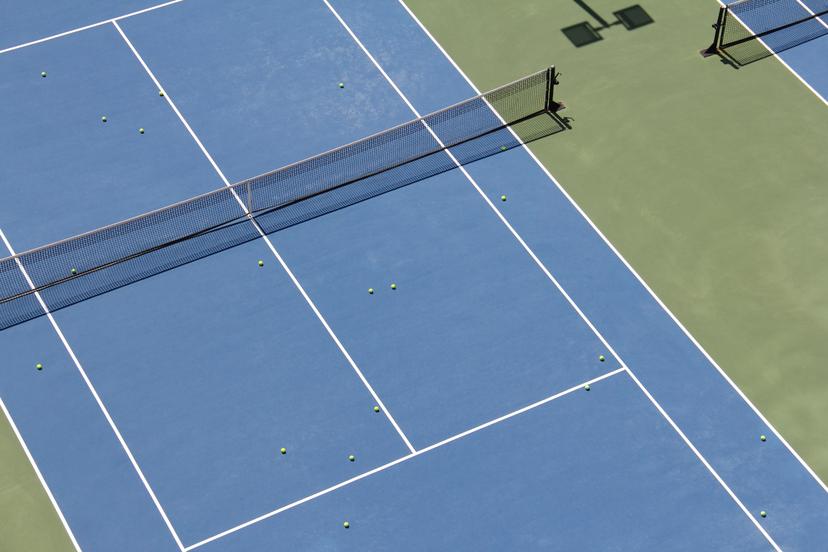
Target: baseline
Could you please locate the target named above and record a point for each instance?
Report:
(87, 27)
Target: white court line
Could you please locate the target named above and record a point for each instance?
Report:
(94, 394)
(405, 458)
(87, 27)
(788, 67)
(543, 267)
(36, 468)
(630, 267)
(273, 250)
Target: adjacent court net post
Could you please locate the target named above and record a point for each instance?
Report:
(751, 30)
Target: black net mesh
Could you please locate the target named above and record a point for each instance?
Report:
(755, 29)
(78, 268)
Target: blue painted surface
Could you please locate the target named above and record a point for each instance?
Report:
(210, 369)
(70, 172)
(809, 61)
(725, 428)
(230, 367)
(259, 81)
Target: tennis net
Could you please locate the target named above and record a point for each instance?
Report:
(78, 268)
(750, 30)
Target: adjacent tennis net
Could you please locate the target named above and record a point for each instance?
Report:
(78, 268)
(750, 30)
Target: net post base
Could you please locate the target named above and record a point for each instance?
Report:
(712, 50)
(555, 106)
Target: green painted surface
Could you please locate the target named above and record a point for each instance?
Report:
(28, 522)
(711, 181)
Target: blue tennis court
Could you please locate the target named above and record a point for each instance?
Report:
(508, 383)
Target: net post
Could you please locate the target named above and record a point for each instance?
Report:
(713, 49)
(551, 105)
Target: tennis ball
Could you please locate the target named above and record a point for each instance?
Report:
(39, 366)
(376, 409)
(140, 131)
(393, 286)
(586, 387)
(103, 119)
(161, 93)
(370, 291)
(763, 513)
(346, 525)
(283, 450)
(261, 263)
(352, 458)
(43, 74)
(762, 438)
(503, 198)
(73, 271)
(601, 358)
